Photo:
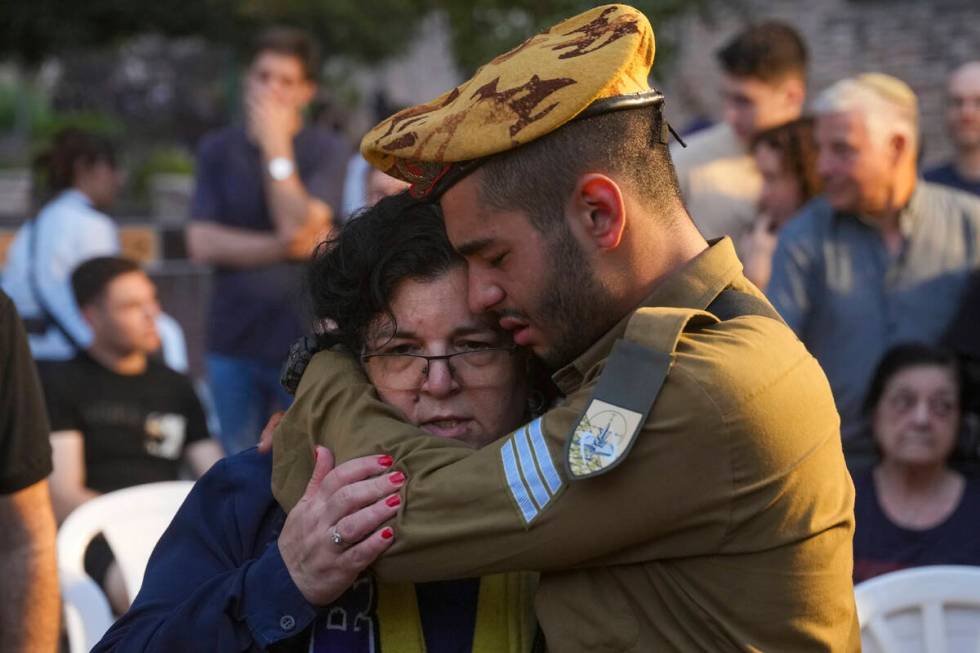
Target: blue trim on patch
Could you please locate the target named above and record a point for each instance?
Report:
(543, 455)
(531, 474)
(517, 487)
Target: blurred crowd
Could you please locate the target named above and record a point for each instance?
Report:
(871, 260)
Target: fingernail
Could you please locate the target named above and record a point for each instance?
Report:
(387, 533)
(396, 478)
(393, 500)
(316, 454)
(386, 461)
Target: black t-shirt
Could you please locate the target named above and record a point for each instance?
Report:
(948, 176)
(25, 451)
(881, 546)
(257, 312)
(136, 427)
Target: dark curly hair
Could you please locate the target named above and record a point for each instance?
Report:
(911, 354)
(796, 146)
(56, 166)
(353, 275)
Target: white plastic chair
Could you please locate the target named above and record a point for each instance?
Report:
(132, 520)
(922, 610)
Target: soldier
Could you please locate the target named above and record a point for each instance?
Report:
(689, 492)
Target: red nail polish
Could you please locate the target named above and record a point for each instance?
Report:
(316, 454)
(386, 461)
(387, 533)
(396, 478)
(393, 501)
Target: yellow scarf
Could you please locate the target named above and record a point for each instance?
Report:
(505, 620)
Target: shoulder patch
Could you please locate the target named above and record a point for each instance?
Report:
(607, 430)
(627, 388)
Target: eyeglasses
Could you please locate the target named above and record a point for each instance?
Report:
(941, 407)
(473, 368)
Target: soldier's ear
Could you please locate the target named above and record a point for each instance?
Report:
(598, 211)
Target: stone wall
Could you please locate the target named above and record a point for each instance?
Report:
(919, 41)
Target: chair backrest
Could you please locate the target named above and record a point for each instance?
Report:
(925, 610)
(132, 520)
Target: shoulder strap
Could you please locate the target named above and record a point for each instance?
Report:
(731, 303)
(627, 388)
(660, 327)
(46, 313)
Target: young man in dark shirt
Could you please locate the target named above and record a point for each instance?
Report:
(265, 194)
(963, 127)
(118, 417)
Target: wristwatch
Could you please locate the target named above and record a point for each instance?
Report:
(281, 168)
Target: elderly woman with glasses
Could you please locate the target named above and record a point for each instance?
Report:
(234, 573)
(913, 509)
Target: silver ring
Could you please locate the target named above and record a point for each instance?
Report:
(336, 537)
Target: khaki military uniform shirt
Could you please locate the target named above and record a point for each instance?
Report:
(720, 183)
(727, 527)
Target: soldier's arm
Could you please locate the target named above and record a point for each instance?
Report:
(510, 505)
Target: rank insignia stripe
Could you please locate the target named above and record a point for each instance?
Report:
(532, 477)
(619, 407)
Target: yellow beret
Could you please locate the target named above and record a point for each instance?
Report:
(598, 60)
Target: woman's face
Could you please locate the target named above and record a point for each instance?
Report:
(482, 398)
(917, 417)
(781, 196)
(100, 180)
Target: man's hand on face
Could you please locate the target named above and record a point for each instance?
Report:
(271, 122)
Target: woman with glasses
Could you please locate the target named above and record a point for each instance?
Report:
(913, 509)
(234, 573)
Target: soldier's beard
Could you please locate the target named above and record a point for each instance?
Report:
(573, 304)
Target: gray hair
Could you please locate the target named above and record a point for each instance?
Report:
(886, 103)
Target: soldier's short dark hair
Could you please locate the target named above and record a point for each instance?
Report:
(354, 274)
(769, 51)
(292, 42)
(538, 178)
(91, 278)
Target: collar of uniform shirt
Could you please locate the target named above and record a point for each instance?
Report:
(695, 285)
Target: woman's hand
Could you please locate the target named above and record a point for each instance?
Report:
(757, 249)
(334, 532)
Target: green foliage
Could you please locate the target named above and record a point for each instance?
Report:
(367, 30)
(14, 98)
(482, 29)
(162, 160)
(46, 124)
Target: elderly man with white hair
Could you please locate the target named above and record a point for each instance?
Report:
(882, 257)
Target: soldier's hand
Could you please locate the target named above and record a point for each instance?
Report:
(265, 440)
(334, 532)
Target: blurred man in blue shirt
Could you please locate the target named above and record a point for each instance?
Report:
(882, 257)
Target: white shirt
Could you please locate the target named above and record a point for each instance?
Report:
(71, 231)
(720, 183)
